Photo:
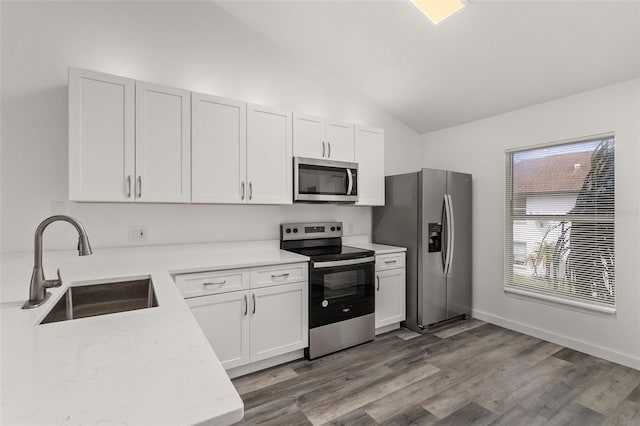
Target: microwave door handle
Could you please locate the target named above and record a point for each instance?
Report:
(350, 184)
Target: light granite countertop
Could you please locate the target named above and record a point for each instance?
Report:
(147, 367)
(363, 242)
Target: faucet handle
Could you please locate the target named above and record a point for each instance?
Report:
(53, 283)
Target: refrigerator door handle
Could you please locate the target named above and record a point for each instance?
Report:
(444, 247)
(448, 229)
(452, 232)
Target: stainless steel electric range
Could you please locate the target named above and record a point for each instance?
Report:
(341, 286)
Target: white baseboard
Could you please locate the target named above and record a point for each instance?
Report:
(387, 328)
(265, 363)
(578, 345)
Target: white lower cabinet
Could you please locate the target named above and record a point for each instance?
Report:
(278, 320)
(390, 291)
(224, 320)
(251, 325)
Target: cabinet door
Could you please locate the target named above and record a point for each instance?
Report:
(369, 154)
(279, 320)
(163, 144)
(101, 136)
(224, 319)
(390, 297)
(339, 137)
(269, 155)
(219, 147)
(308, 136)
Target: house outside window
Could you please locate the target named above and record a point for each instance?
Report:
(560, 221)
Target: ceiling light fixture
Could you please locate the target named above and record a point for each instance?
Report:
(438, 10)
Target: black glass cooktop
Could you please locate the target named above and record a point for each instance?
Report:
(332, 252)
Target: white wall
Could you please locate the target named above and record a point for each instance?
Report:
(192, 45)
(479, 147)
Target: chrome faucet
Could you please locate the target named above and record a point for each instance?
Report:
(37, 290)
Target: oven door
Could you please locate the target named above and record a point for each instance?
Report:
(325, 181)
(341, 290)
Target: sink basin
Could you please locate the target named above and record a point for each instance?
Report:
(102, 299)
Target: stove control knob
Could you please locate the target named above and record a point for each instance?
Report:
(339, 228)
(288, 231)
(295, 230)
(333, 228)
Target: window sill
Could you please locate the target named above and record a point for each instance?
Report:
(561, 301)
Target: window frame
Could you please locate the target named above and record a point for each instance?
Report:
(549, 297)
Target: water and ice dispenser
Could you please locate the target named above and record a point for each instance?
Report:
(435, 237)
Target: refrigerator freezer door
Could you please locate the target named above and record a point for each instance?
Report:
(397, 223)
(459, 274)
(432, 290)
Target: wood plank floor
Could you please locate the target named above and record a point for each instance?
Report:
(470, 373)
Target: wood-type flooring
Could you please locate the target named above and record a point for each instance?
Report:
(470, 373)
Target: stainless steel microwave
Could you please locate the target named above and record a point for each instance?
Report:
(324, 181)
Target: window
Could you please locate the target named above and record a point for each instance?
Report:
(519, 252)
(560, 221)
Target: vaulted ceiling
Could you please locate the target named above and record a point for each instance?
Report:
(489, 58)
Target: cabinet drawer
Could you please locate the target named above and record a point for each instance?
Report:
(203, 283)
(389, 261)
(279, 274)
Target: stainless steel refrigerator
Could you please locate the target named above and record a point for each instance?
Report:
(429, 213)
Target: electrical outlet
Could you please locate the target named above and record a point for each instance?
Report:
(137, 233)
(350, 227)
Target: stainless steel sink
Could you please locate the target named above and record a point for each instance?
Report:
(102, 299)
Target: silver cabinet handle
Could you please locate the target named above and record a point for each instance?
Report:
(253, 296)
(246, 305)
(215, 282)
(242, 196)
(390, 261)
(129, 186)
(323, 150)
(286, 274)
(378, 279)
(250, 190)
(139, 186)
(329, 145)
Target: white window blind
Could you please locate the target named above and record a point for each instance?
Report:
(560, 220)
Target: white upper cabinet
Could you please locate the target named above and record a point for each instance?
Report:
(369, 154)
(315, 137)
(339, 137)
(269, 155)
(163, 144)
(308, 136)
(128, 140)
(101, 136)
(219, 147)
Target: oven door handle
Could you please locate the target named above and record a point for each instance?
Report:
(318, 265)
